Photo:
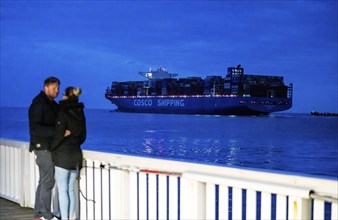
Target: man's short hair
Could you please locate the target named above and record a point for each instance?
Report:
(50, 80)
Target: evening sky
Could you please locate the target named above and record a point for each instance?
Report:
(92, 43)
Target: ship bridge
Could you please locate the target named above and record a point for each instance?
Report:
(160, 73)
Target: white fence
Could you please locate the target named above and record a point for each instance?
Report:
(128, 187)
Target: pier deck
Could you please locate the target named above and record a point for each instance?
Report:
(12, 210)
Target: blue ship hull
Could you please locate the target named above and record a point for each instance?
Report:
(211, 105)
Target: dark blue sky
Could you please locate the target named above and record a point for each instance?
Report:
(91, 43)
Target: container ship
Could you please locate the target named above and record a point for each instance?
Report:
(235, 93)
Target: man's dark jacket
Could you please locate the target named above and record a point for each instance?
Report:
(66, 151)
(42, 115)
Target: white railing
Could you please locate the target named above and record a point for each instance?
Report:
(18, 173)
(129, 187)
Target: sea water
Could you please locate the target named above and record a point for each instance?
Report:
(288, 142)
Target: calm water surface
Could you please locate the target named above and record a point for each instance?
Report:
(286, 142)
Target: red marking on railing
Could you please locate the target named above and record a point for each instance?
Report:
(160, 172)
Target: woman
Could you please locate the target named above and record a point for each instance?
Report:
(67, 153)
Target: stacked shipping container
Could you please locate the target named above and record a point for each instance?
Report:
(234, 83)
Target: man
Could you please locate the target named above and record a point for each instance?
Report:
(42, 115)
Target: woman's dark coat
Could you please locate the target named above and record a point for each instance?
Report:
(66, 151)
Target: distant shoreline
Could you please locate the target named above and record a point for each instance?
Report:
(314, 113)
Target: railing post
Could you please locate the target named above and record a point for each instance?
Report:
(152, 196)
(319, 207)
(132, 208)
(30, 173)
(237, 203)
(281, 207)
(251, 203)
(266, 205)
(299, 208)
(125, 195)
(173, 197)
(142, 195)
(223, 202)
(210, 203)
(193, 199)
(334, 210)
(163, 196)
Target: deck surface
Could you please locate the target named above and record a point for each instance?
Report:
(10, 210)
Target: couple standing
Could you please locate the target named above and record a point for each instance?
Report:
(56, 133)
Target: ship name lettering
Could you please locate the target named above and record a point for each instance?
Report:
(143, 102)
(171, 102)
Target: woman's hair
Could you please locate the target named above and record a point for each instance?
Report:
(72, 92)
